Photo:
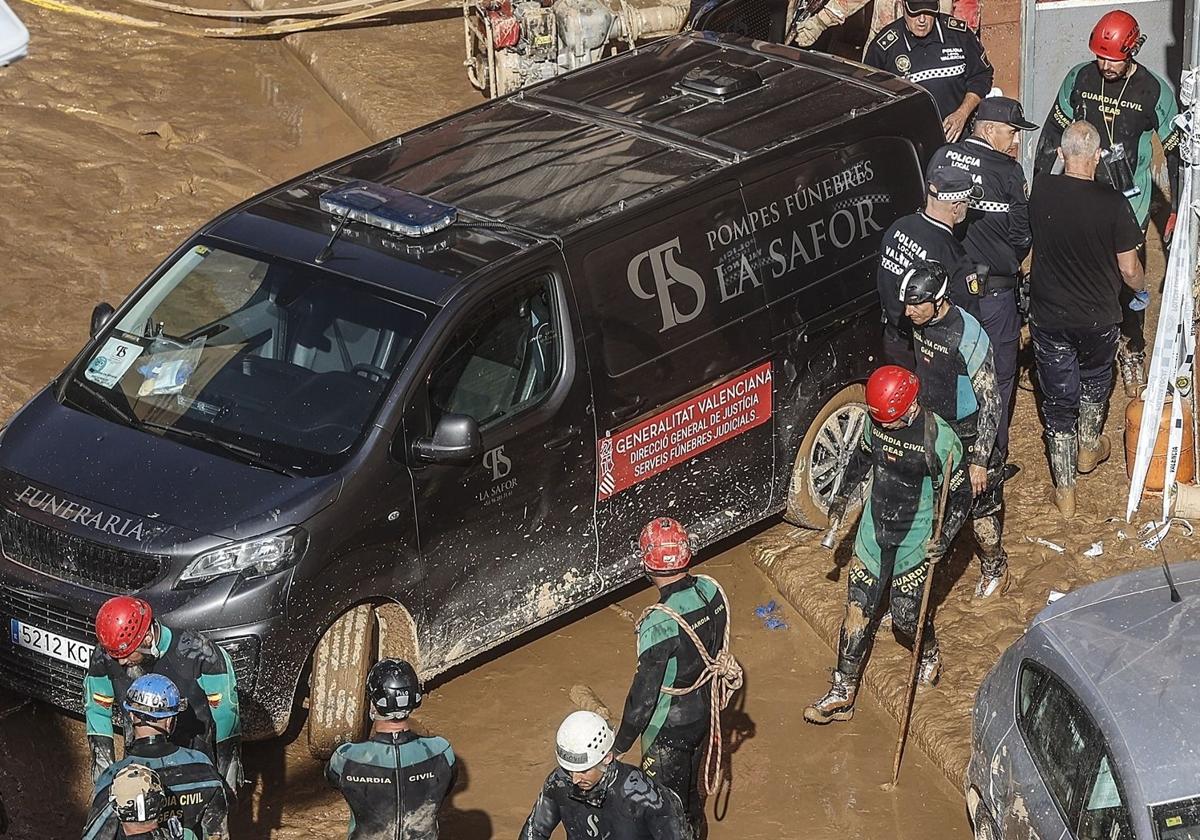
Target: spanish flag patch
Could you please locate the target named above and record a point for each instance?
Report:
(214, 700)
(103, 700)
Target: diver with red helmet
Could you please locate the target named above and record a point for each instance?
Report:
(132, 643)
(904, 449)
(674, 726)
(1127, 102)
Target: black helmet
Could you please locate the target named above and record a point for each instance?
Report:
(137, 794)
(924, 281)
(393, 689)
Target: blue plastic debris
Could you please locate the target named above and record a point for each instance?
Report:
(764, 610)
(775, 624)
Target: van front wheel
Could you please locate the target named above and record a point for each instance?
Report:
(337, 695)
(823, 456)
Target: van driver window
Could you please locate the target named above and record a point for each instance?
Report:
(502, 358)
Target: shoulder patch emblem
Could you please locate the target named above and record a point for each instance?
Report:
(903, 64)
(955, 23)
(887, 39)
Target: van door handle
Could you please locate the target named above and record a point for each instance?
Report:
(624, 412)
(566, 436)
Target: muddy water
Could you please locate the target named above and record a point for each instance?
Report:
(113, 147)
(789, 779)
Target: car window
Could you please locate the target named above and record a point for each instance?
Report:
(1069, 752)
(1104, 816)
(502, 358)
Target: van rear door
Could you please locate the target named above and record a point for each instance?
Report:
(678, 342)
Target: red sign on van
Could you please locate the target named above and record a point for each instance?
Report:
(683, 431)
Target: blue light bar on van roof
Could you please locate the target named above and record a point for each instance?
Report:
(405, 213)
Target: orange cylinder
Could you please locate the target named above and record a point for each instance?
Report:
(1156, 474)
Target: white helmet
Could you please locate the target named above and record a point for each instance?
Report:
(583, 740)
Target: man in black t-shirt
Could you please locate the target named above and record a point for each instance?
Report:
(1085, 246)
(927, 235)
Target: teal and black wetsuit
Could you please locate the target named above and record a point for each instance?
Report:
(394, 784)
(957, 369)
(673, 728)
(203, 673)
(196, 794)
(1126, 111)
(897, 521)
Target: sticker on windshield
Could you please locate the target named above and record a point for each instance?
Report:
(110, 364)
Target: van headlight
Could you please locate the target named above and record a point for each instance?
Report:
(259, 556)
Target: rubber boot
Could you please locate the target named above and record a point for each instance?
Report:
(838, 702)
(1064, 454)
(1094, 448)
(1132, 366)
(993, 559)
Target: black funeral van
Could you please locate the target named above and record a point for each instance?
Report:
(423, 399)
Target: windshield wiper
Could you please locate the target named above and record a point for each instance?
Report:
(124, 415)
(250, 456)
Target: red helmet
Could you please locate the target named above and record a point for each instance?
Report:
(122, 625)
(1116, 36)
(891, 390)
(666, 547)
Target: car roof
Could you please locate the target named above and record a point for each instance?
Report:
(1136, 657)
(596, 143)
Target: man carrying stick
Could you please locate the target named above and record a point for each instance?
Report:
(909, 452)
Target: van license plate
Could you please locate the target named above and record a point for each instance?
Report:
(50, 644)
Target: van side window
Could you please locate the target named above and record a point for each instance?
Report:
(502, 358)
(1071, 756)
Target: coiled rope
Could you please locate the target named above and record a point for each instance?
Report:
(723, 675)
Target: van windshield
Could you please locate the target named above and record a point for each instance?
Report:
(267, 361)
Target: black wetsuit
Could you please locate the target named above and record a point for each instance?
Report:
(958, 382)
(625, 804)
(196, 794)
(673, 728)
(897, 521)
(395, 784)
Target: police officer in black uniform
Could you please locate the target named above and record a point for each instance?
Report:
(927, 235)
(941, 54)
(996, 232)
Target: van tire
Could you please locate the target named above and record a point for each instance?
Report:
(807, 506)
(337, 709)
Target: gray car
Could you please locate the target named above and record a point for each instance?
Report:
(1089, 725)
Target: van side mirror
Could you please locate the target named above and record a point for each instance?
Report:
(100, 317)
(456, 442)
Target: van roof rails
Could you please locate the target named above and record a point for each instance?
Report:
(719, 79)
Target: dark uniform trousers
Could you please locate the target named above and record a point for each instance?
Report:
(1073, 365)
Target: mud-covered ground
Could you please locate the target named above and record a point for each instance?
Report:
(114, 145)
